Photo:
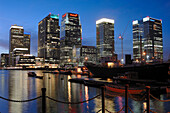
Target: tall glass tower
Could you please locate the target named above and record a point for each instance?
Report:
(71, 37)
(147, 40)
(19, 43)
(105, 37)
(49, 39)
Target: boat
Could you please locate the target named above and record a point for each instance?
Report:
(31, 74)
(146, 72)
(40, 77)
(121, 89)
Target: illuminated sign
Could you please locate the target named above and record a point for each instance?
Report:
(75, 15)
(64, 15)
(54, 16)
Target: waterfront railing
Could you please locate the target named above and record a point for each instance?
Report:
(143, 97)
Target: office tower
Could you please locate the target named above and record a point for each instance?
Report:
(88, 53)
(49, 39)
(105, 38)
(4, 60)
(27, 37)
(147, 40)
(18, 43)
(71, 33)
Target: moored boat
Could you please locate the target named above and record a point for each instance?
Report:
(40, 77)
(150, 71)
(31, 74)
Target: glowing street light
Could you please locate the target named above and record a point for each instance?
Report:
(69, 60)
(86, 58)
(121, 38)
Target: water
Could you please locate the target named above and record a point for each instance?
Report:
(15, 84)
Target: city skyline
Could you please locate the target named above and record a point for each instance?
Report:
(89, 11)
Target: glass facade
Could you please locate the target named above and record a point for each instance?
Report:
(4, 60)
(71, 34)
(49, 39)
(18, 40)
(147, 40)
(88, 53)
(105, 37)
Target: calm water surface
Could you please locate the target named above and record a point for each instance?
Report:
(15, 84)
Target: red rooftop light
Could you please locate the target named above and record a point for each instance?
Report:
(64, 15)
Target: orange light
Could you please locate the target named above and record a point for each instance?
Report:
(69, 60)
(86, 58)
(120, 37)
(75, 15)
(64, 15)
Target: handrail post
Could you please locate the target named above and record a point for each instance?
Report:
(43, 100)
(126, 98)
(148, 98)
(103, 99)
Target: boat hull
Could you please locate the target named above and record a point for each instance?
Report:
(151, 72)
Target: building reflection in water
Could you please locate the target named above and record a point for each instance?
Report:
(15, 84)
(18, 91)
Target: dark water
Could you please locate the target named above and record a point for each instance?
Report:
(16, 84)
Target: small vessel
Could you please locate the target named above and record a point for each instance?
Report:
(31, 74)
(40, 77)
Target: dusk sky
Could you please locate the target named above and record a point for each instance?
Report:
(28, 13)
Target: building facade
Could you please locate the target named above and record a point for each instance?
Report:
(18, 41)
(71, 37)
(88, 53)
(49, 39)
(105, 38)
(4, 60)
(25, 61)
(147, 40)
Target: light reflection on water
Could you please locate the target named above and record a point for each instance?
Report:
(16, 84)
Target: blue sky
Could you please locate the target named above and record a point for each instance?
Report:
(28, 13)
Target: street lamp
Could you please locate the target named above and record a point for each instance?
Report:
(86, 58)
(69, 60)
(121, 38)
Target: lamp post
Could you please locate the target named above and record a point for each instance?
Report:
(144, 59)
(121, 38)
(86, 58)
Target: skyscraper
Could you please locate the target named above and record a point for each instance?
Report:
(19, 43)
(71, 34)
(105, 37)
(49, 39)
(147, 40)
